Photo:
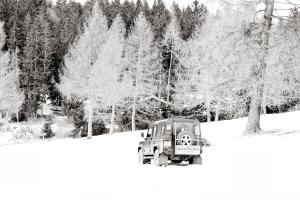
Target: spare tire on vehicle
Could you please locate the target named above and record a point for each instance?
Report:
(185, 137)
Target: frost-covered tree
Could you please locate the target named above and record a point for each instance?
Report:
(235, 59)
(207, 76)
(282, 78)
(15, 96)
(78, 75)
(141, 59)
(257, 51)
(11, 97)
(113, 85)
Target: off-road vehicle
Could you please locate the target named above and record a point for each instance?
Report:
(174, 140)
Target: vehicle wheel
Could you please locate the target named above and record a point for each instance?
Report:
(141, 159)
(196, 160)
(185, 138)
(159, 160)
(155, 160)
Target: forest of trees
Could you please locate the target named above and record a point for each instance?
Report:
(131, 63)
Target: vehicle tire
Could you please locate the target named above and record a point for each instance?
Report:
(159, 160)
(196, 160)
(141, 159)
(186, 138)
(156, 160)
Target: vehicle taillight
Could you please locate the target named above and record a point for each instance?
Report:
(197, 129)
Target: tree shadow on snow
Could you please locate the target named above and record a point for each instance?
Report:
(279, 132)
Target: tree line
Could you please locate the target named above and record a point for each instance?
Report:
(129, 63)
(40, 34)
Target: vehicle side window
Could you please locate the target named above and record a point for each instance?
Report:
(158, 130)
(163, 127)
(168, 128)
(149, 131)
(154, 131)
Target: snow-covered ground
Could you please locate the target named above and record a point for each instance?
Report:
(234, 167)
(15, 133)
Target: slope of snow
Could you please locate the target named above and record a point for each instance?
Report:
(13, 133)
(234, 167)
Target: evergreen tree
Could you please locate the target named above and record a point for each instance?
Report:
(47, 130)
(173, 43)
(159, 19)
(128, 15)
(37, 58)
(113, 10)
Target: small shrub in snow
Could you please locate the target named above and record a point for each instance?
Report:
(47, 130)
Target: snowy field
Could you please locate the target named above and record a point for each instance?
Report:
(15, 133)
(104, 168)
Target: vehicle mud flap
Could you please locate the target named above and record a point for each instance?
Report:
(196, 160)
(159, 160)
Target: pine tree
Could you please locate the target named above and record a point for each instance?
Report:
(128, 15)
(47, 130)
(80, 61)
(173, 42)
(159, 18)
(112, 11)
(13, 36)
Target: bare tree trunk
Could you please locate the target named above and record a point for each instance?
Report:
(217, 111)
(160, 82)
(264, 109)
(133, 113)
(208, 115)
(7, 116)
(160, 92)
(169, 74)
(90, 119)
(112, 119)
(42, 109)
(258, 73)
(208, 109)
(136, 89)
(17, 114)
(253, 125)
